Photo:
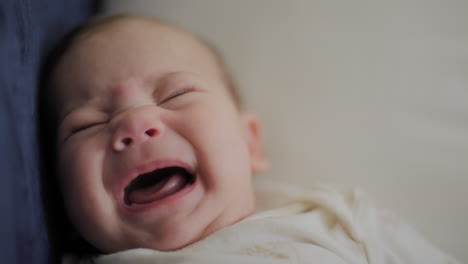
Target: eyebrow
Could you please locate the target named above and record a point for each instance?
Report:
(67, 114)
(72, 111)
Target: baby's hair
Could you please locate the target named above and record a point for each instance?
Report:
(63, 237)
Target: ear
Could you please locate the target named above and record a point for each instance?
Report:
(253, 136)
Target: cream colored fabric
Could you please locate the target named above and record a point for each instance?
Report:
(318, 225)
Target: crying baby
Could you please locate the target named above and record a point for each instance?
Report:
(155, 155)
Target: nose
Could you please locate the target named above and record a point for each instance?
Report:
(136, 126)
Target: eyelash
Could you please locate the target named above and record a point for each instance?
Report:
(84, 127)
(178, 93)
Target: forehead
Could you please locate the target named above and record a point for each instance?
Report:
(131, 48)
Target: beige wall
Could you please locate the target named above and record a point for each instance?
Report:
(367, 93)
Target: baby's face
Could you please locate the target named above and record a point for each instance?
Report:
(152, 151)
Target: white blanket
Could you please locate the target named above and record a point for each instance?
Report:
(319, 225)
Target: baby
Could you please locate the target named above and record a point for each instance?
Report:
(155, 156)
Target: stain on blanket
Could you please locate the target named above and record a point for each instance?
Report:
(263, 251)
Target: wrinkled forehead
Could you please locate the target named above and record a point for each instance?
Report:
(142, 43)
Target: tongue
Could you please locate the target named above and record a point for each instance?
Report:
(166, 187)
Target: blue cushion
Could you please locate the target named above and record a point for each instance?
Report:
(27, 30)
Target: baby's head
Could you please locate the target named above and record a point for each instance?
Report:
(153, 148)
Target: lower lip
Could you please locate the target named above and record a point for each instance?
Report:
(168, 201)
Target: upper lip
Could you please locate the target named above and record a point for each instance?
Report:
(149, 167)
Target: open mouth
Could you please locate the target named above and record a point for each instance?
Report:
(156, 185)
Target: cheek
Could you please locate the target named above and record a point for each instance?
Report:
(80, 167)
(218, 126)
(216, 134)
(77, 158)
(87, 203)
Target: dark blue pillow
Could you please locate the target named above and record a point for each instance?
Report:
(28, 29)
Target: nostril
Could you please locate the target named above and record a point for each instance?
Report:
(127, 141)
(151, 132)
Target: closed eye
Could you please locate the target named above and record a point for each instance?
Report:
(76, 130)
(84, 127)
(178, 93)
